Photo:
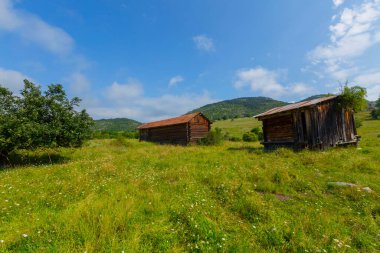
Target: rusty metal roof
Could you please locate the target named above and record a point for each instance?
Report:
(294, 106)
(168, 122)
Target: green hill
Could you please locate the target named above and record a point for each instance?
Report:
(239, 107)
(118, 124)
(315, 97)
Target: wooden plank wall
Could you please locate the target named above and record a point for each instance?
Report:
(325, 126)
(198, 128)
(279, 128)
(338, 125)
(176, 134)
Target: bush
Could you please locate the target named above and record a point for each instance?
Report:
(259, 132)
(250, 137)
(352, 98)
(214, 137)
(233, 138)
(35, 119)
(358, 123)
(374, 114)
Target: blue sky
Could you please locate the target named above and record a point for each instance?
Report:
(149, 60)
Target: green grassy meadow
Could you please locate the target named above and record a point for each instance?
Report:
(237, 127)
(128, 196)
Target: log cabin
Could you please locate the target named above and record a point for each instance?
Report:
(183, 130)
(315, 124)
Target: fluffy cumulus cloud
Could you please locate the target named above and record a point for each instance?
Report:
(338, 2)
(266, 82)
(128, 100)
(204, 43)
(352, 34)
(175, 80)
(13, 80)
(32, 28)
(371, 81)
(122, 93)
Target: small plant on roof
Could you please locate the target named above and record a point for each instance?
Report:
(352, 98)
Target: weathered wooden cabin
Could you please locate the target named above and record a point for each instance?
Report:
(314, 124)
(181, 130)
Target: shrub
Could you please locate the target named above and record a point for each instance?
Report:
(36, 119)
(374, 114)
(259, 132)
(352, 98)
(358, 123)
(233, 138)
(250, 137)
(214, 137)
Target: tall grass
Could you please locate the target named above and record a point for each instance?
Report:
(124, 195)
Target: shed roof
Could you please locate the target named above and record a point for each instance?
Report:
(294, 106)
(168, 122)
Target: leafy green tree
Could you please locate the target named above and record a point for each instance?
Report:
(9, 121)
(378, 107)
(352, 98)
(37, 119)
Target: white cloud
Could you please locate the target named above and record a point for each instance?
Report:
(128, 100)
(377, 37)
(122, 93)
(266, 82)
(204, 43)
(338, 2)
(301, 89)
(175, 80)
(79, 83)
(13, 80)
(353, 34)
(371, 81)
(32, 28)
(260, 79)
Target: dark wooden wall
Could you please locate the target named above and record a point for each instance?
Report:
(320, 126)
(175, 134)
(199, 127)
(279, 129)
(182, 134)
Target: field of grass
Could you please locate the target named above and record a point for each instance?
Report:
(237, 127)
(126, 196)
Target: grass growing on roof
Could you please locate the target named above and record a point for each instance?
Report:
(124, 195)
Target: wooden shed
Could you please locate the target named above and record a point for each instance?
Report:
(181, 130)
(315, 124)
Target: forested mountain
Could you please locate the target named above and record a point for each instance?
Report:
(239, 107)
(316, 96)
(118, 124)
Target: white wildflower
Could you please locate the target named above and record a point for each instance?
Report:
(24, 235)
